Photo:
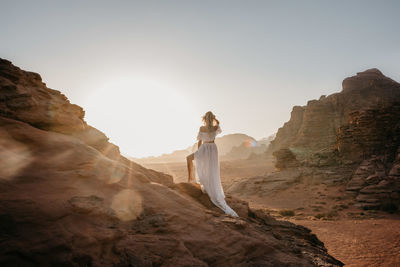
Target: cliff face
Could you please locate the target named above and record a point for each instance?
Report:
(320, 125)
(68, 198)
(359, 125)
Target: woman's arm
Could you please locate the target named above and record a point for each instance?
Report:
(199, 144)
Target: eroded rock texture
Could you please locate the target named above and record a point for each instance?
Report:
(68, 198)
(359, 126)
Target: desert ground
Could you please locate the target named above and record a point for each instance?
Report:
(356, 237)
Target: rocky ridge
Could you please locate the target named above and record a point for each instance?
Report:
(358, 127)
(68, 198)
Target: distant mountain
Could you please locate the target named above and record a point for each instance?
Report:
(227, 142)
(230, 147)
(249, 148)
(225, 145)
(175, 156)
(266, 140)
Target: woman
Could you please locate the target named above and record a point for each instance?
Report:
(207, 172)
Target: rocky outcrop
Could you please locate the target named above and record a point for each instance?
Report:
(374, 186)
(320, 125)
(370, 132)
(245, 150)
(359, 125)
(285, 158)
(66, 201)
(24, 97)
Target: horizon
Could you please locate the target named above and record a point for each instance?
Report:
(145, 72)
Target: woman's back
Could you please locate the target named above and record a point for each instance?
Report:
(207, 171)
(206, 136)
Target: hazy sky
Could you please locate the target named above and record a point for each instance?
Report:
(145, 71)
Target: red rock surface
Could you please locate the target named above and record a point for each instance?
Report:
(313, 128)
(359, 125)
(68, 198)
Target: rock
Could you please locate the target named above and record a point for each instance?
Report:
(359, 125)
(24, 97)
(323, 124)
(284, 158)
(193, 190)
(372, 186)
(363, 80)
(287, 134)
(369, 133)
(368, 169)
(66, 202)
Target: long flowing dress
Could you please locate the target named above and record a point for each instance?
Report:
(207, 171)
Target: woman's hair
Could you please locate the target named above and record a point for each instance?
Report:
(210, 120)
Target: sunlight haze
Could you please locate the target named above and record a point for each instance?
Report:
(146, 71)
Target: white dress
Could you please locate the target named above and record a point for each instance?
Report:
(207, 172)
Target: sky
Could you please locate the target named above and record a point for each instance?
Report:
(146, 71)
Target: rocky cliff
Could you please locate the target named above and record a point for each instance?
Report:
(358, 126)
(68, 198)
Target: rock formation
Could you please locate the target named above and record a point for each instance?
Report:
(68, 198)
(359, 126)
(245, 150)
(225, 143)
(286, 159)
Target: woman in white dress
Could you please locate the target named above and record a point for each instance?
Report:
(207, 172)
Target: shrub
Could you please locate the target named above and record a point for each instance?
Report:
(287, 212)
(331, 214)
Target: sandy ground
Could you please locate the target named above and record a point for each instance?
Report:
(354, 236)
(230, 170)
(368, 242)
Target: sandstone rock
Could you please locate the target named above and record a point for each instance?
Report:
(66, 202)
(317, 126)
(284, 158)
(24, 97)
(361, 124)
(372, 186)
(52, 215)
(369, 169)
(193, 190)
(286, 135)
(370, 132)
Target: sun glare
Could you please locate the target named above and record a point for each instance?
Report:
(141, 115)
